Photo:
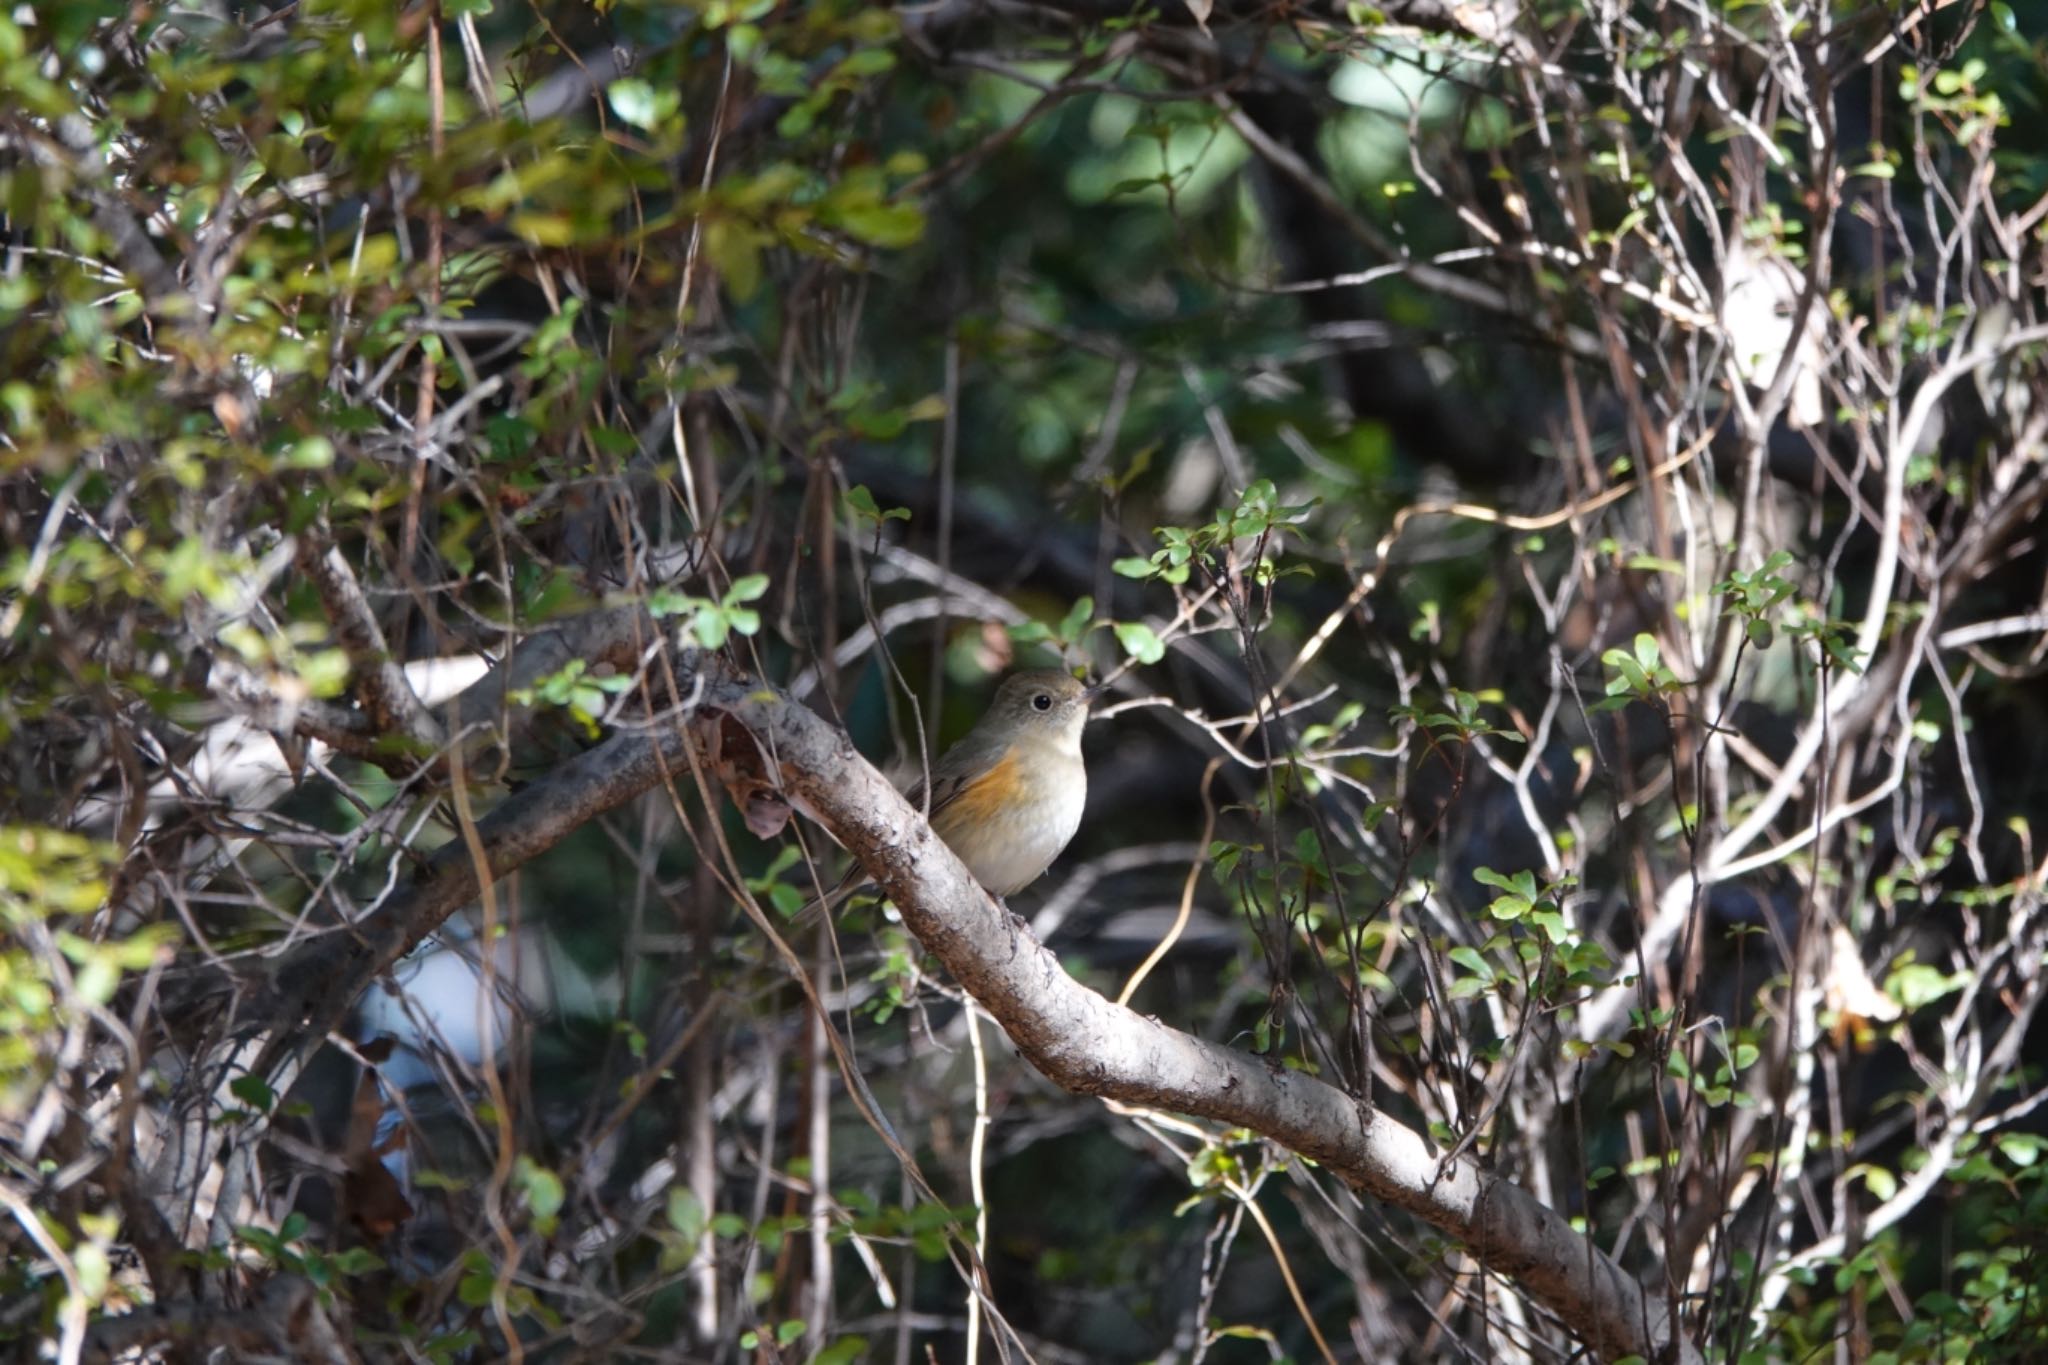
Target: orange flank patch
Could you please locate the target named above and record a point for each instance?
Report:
(984, 800)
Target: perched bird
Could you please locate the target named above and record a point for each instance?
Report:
(1009, 795)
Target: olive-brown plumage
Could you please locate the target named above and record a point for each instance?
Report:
(1008, 796)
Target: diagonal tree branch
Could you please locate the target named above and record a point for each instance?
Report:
(311, 994)
(1090, 1046)
(386, 695)
(1073, 1035)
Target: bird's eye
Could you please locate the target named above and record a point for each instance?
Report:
(1042, 702)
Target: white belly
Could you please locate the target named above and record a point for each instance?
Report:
(1012, 851)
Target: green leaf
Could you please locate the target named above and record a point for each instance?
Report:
(867, 61)
(1469, 958)
(314, 452)
(97, 980)
(1916, 985)
(889, 226)
(253, 1091)
(542, 229)
(262, 1239)
(543, 1191)
(711, 628)
(686, 1213)
(358, 1261)
(863, 504)
(1076, 624)
(475, 1288)
(1030, 632)
(666, 602)
(1347, 716)
(2021, 1149)
(1140, 642)
(844, 1351)
(1630, 678)
(632, 99)
(1881, 1183)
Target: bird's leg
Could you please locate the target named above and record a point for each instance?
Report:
(1017, 921)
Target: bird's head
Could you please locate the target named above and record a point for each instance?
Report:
(1046, 701)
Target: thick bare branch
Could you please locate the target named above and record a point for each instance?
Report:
(317, 987)
(387, 696)
(1090, 1046)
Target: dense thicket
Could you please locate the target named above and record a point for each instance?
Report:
(1553, 490)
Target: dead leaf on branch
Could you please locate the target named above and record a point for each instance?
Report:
(735, 758)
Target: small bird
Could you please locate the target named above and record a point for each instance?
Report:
(1009, 795)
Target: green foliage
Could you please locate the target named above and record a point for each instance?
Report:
(1255, 518)
(1461, 722)
(926, 1228)
(51, 884)
(900, 968)
(713, 622)
(1359, 447)
(1752, 595)
(287, 1248)
(1071, 632)
(577, 690)
(1139, 642)
(1638, 674)
(1958, 93)
(787, 898)
(542, 1191)
(1536, 945)
(862, 502)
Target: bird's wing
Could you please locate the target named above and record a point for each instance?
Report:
(955, 774)
(946, 789)
(949, 780)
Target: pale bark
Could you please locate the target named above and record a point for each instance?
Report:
(1091, 1046)
(1077, 1038)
